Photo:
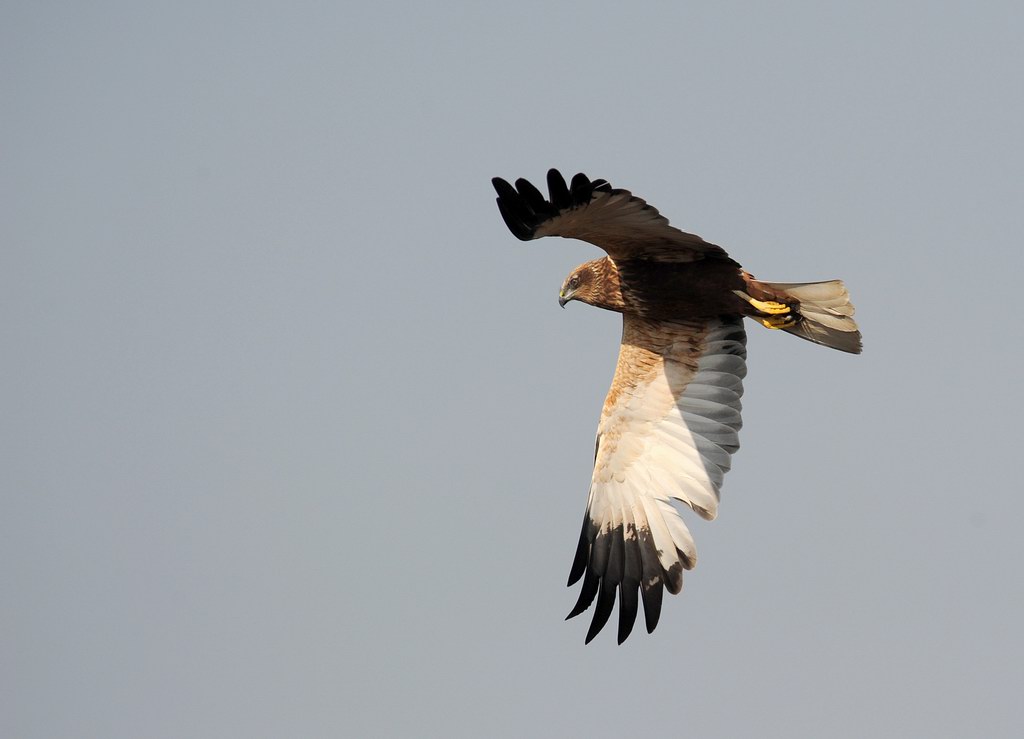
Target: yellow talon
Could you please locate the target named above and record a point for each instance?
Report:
(770, 307)
(778, 321)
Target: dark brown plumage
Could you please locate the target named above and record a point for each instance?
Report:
(671, 420)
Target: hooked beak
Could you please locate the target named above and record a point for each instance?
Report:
(562, 300)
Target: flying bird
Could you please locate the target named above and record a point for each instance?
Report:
(671, 420)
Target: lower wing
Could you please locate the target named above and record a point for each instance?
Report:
(668, 429)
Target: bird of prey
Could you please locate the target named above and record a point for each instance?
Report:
(670, 423)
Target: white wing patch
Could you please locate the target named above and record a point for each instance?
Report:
(668, 437)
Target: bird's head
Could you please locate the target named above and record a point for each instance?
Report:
(581, 284)
(594, 283)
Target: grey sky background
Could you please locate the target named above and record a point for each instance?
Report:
(296, 441)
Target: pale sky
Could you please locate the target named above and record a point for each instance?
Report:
(296, 440)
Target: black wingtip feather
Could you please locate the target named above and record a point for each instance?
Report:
(605, 601)
(616, 556)
(599, 551)
(587, 593)
(633, 571)
(503, 188)
(524, 208)
(674, 578)
(579, 563)
(628, 606)
(513, 210)
(515, 224)
(581, 189)
(652, 604)
(533, 197)
(558, 191)
(652, 588)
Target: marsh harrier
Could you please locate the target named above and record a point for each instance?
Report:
(671, 420)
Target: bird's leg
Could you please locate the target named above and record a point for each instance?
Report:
(768, 306)
(778, 321)
(772, 314)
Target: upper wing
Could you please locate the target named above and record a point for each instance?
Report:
(668, 428)
(615, 220)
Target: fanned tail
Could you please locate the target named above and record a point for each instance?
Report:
(825, 313)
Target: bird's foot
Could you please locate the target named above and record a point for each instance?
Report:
(769, 306)
(778, 321)
(773, 314)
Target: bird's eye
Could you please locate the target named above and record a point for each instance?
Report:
(574, 281)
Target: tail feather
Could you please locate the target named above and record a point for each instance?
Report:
(825, 311)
